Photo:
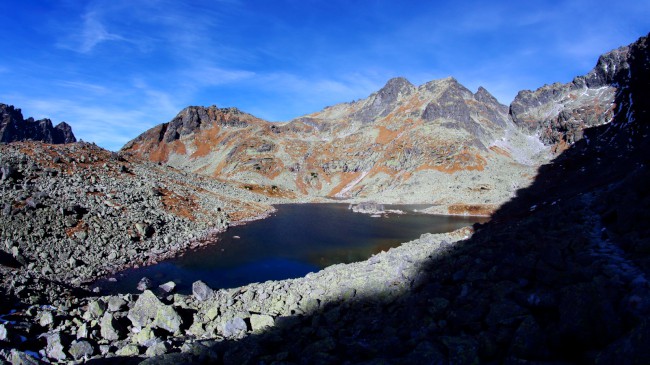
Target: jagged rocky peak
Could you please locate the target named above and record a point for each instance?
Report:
(440, 85)
(612, 67)
(385, 100)
(14, 128)
(484, 96)
(396, 86)
(456, 105)
(193, 118)
(559, 113)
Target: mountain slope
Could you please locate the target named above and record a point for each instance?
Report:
(430, 143)
(437, 143)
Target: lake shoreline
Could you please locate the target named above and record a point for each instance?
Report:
(285, 248)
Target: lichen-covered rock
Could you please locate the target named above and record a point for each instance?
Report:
(234, 328)
(47, 319)
(109, 328)
(128, 350)
(3, 332)
(156, 349)
(168, 319)
(96, 309)
(145, 337)
(54, 349)
(168, 287)
(261, 321)
(82, 331)
(81, 349)
(20, 358)
(145, 308)
(201, 290)
(148, 309)
(144, 284)
(116, 304)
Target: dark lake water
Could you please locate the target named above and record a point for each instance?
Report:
(294, 241)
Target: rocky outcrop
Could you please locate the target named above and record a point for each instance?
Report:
(559, 113)
(381, 103)
(192, 120)
(14, 128)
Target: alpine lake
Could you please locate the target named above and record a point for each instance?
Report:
(295, 240)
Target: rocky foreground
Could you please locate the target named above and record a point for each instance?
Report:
(72, 213)
(560, 281)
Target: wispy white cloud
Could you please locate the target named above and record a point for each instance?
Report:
(94, 32)
(84, 86)
(200, 76)
(91, 32)
(136, 64)
(162, 101)
(107, 126)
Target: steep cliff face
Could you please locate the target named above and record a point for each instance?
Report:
(407, 143)
(559, 113)
(14, 128)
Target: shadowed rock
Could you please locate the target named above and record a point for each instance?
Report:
(14, 128)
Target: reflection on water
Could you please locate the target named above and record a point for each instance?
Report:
(298, 239)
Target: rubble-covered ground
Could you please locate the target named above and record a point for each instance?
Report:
(72, 213)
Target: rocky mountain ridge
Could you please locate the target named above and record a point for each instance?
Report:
(433, 143)
(437, 143)
(14, 128)
(559, 113)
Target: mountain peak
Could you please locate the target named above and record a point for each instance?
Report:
(394, 87)
(14, 128)
(484, 96)
(442, 84)
(399, 83)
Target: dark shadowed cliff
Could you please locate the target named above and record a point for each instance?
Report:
(14, 128)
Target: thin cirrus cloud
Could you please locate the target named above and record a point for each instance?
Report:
(92, 33)
(213, 76)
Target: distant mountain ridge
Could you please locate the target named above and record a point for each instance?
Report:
(401, 143)
(14, 128)
(438, 142)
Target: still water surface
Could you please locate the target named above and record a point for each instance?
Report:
(296, 240)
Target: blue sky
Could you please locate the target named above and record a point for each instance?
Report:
(114, 68)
